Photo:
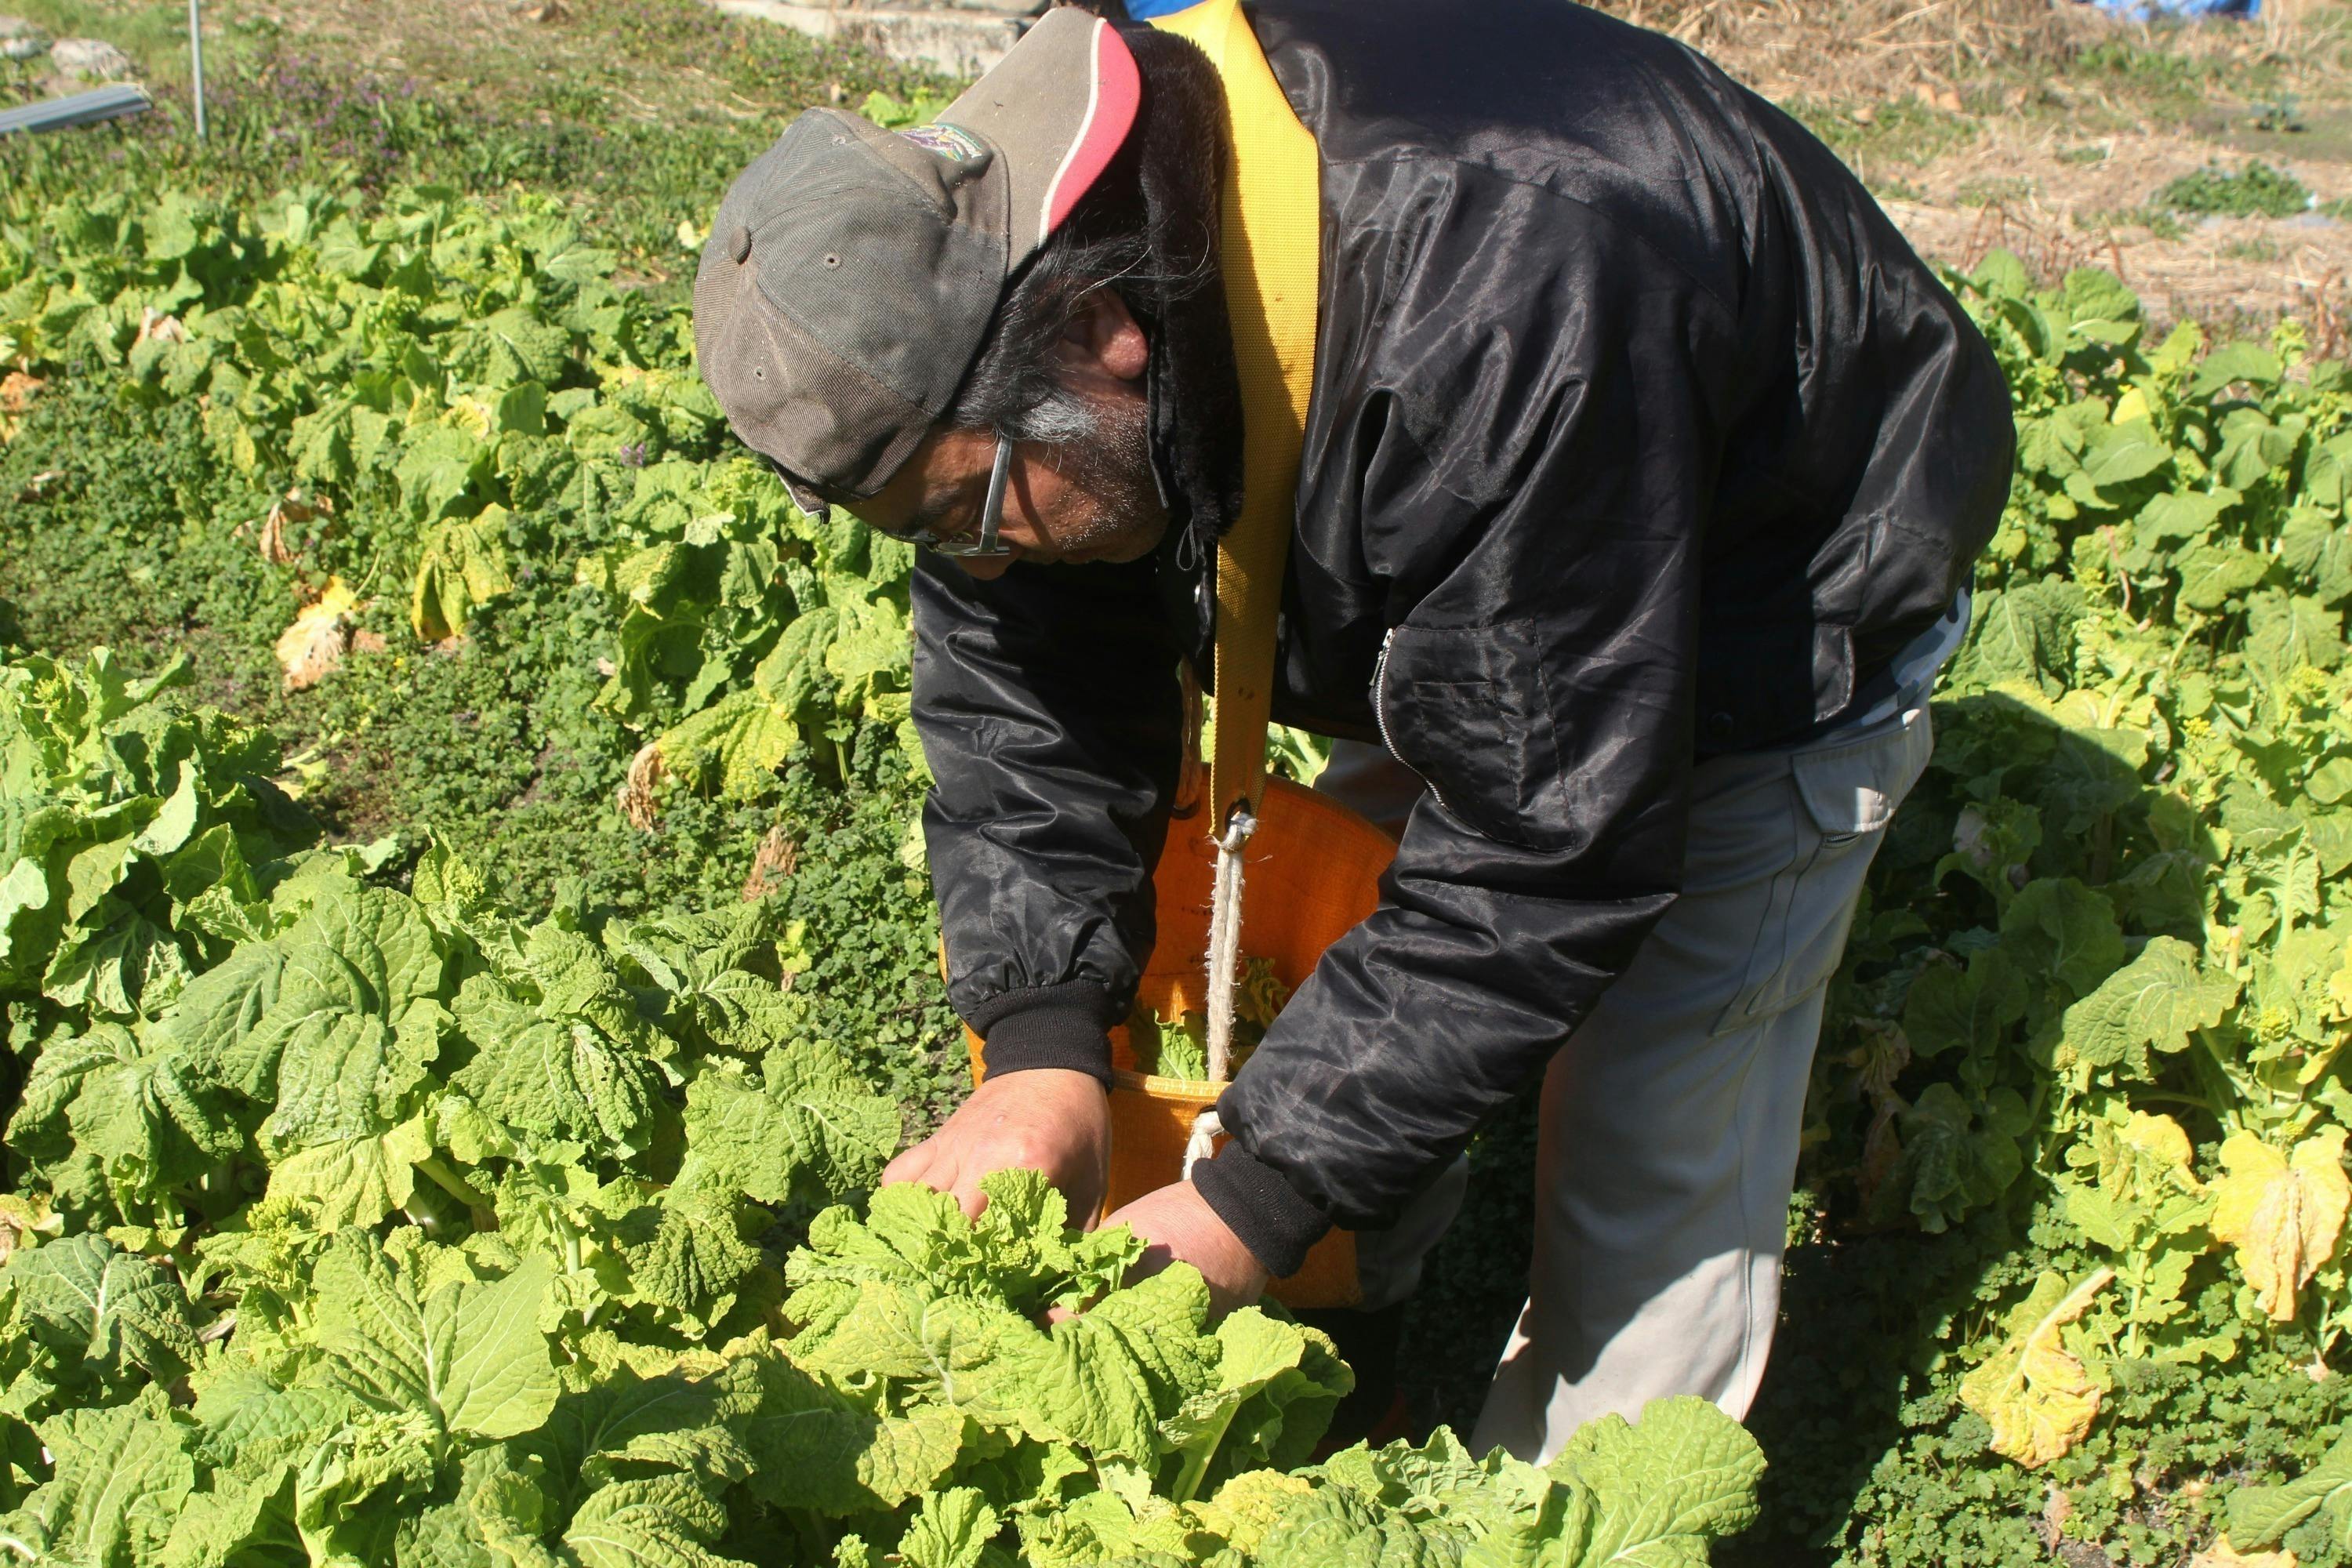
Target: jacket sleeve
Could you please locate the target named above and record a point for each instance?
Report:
(1049, 711)
(1529, 457)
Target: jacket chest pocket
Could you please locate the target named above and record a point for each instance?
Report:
(1469, 709)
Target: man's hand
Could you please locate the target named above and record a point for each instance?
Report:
(1047, 1119)
(1182, 1228)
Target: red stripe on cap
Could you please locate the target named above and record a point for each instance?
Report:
(1115, 93)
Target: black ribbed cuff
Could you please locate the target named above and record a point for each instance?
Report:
(1271, 1219)
(1046, 1027)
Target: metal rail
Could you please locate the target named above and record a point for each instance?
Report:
(109, 102)
(196, 63)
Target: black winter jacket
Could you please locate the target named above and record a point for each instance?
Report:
(1638, 434)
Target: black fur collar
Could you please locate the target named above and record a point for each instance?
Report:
(1195, 392)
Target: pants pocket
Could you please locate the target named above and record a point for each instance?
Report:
(1840, 799)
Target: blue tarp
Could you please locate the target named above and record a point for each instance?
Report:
(2193, 10)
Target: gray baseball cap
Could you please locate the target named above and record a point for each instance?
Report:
(852, 271)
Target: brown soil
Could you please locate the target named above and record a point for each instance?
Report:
(2059, 212)
(1863, 51)
(2058, 215)
(2050, 130)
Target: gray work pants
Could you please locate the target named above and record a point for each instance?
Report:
(1667, 1145)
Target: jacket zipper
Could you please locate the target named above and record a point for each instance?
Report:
(1381, 712)
(1381, 693)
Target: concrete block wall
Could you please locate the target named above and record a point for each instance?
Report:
(963, 37)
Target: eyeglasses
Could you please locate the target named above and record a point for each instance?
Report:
(981, 544)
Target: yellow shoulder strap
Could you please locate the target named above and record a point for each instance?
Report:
(1272, 274)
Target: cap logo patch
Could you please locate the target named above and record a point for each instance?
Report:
(950, 142)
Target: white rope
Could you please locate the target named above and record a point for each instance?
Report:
(1206, 1129)
(1225, 965)
(1225, 942)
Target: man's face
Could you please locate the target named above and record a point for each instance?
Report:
(1089, 500)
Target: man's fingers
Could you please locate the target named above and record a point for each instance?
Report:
(970, 1197)
(956, 1174)
(1155, 1260)
(908, 1167)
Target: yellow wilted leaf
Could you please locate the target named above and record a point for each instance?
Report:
(314, 644)
(23, 1218)
(2037, 1394)
(2131, 405)
(2221, 1555)
(2162, 1137)
(2283, 1215)
(472, 416)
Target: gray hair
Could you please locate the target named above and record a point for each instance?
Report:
(1012, 386)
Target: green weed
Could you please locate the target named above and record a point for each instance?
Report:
(1902, 132)
(2146, 70)
(2256, 191)
(280, 117)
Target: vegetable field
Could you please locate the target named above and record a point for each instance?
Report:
(465, 959)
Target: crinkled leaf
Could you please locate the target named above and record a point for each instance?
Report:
(462, 566)
(122, 1476)
(2212, 575)
(118, 1312)
(809, 1126)
(661, 1522)
(2261, 1516)
(469, 1355)
(560, 1077)
(735, 744)
(355, 1181)
(814, 1449)
(2155, 1002)
(345, 1075)
(951, 1530)
(2059, 927)
(252, 1424)
(1661, 1488)
(686, 1254)
(1951, 1008)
